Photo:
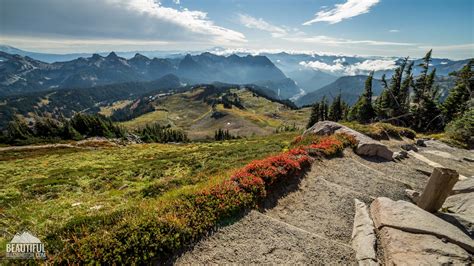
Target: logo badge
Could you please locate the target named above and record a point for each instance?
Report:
(25, 246)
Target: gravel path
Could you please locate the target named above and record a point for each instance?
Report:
(313, 223)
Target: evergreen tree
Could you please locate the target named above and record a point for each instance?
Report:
(18, 130)
(394, 101)
(323, 109)
(161, 134)
(461, 129)
(69, 133)
(96, 126)
(425, 111)
(315, 115)
(460, 97)
(382, 104)
(46, 127)
(345, 110)
(221, 134)
(363, 110)
(335, 110)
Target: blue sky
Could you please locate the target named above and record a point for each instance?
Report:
(353, 27)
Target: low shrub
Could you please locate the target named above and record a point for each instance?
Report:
(381, 131)
(156, 234)
(461, 130)
(325, 145)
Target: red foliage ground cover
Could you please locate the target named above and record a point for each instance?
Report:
(159, 236)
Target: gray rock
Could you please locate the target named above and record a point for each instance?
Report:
(400, 155)
(366, 145)
(133, 138)
(403, 248)
(461, 208)
(442, 154)
(412, 195)
(409, 147)
(468, 159)
(463, 186)
(408, 217)
(420, 142)
(363, 234)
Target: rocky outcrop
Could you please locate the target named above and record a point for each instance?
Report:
(409, 147)
(365, 146)
(463, 186)
(458, 209)
(413, 195)
(403, 248)
(363, 235)
(399, 155)
(407, 217)
(461, 208)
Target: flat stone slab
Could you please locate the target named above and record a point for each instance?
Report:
(366, 145)
(363, 234)
(403, 248)
(461, 207)
(410, 218)
(443, 154)
(464, 186)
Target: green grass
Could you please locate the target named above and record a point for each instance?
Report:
(43, 190)
(188, 112)
(108, 110)
(381, 131)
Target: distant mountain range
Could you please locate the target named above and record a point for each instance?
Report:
(282, 75)
(22, 73)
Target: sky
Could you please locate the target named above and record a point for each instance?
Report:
(349, 27)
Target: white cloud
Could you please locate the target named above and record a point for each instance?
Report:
(141, 20)
(394, 31)
(321, 39)
(340, 67)
(375, 65)
(195, 21)
(337, 67)
(349, 9)
(260, 24)
(177, 2)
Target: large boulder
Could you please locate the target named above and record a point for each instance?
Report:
(365, 145)
(410, 218)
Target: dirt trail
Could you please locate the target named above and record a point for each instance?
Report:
(35, 147)
(312, 224)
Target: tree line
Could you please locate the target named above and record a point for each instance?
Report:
(46, 129)
(410, 101)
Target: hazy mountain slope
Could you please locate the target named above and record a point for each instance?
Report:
(285, 88)
(350, 88)
(311, 80)
(45, 57)
(66, 102)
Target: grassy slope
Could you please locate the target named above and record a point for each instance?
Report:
(183, 110)
(109, 109)
(40, 187)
